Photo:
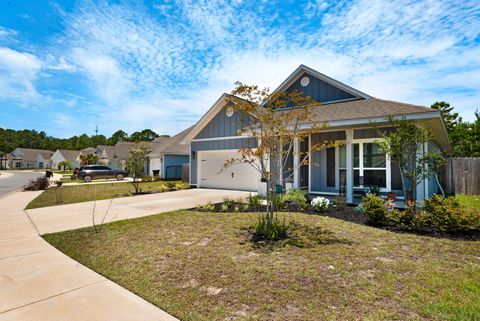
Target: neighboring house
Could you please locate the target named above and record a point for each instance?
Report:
(88, 150)
(44, 160)
(22, 158)
(168, 156)
(105, 154)
(65, 155)
(6, 161)
(351, 116)
(121, 154)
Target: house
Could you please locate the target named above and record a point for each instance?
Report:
(6, 160)
(65, 155)
(105, 153)
(168, 156)
(44, 160)
(88, 151)
(351, 116)
(22, 158)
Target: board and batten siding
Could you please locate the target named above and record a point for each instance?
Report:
(318, 168)
(220, 126)
(319, 90)
(223, 126)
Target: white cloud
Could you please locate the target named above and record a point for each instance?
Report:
(164, 71)
(18, 72)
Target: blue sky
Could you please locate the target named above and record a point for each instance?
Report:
(67, 66)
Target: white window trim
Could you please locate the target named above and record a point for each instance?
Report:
(361, 168)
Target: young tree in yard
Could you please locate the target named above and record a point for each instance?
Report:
(276, 121)
(404, 145)
(89, 159)
(136, 165)
(65, 165)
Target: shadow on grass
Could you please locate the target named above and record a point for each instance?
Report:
(300, 236)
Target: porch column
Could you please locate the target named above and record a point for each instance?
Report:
(296, 163)
(349, 164)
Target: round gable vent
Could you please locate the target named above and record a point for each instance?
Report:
(229, 112)
(305, 81)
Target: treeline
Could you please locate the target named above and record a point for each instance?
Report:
(11, 139)
(464, 136)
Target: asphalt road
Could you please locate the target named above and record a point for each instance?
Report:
(16, 181)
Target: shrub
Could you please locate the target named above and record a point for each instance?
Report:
(206, 207)
(320, 204)
(147, 178)
(375, 210)
(269, 229)
(170, 185)
(224, 207)
(253, 201)
(278, 201)
(180, 186)
(340, 202)
(228, 202)
(404, 219)
(447, 214)
(295, 197)
(38, 184)
(245, 207)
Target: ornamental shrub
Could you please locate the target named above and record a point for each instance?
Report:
(295, 197)
(38, 184)
(375, 209)
(447, 214)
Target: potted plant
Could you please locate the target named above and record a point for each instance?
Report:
(392, 196)
(288, 184)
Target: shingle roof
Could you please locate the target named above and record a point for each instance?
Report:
(364, 108)
(46, 156)
(122, 149)
(173, 145)
(69, 155)
(89, 150)
(30, 154)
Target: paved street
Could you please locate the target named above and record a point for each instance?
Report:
(13, 180)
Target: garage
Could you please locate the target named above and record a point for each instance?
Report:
(241, 177)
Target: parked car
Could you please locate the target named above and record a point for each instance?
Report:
(87, 173)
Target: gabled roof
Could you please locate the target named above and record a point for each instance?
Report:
(122, 149)
(89, 150)
(46, 156)
(305, 69)
(176, 145)
(30, 154)
(69, 155)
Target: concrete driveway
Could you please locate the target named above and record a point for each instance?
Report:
(67, 217)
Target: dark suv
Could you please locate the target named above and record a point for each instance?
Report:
(90, 172)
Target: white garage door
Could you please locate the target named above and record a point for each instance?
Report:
(238, 177)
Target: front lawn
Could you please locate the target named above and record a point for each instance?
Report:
(84, 193)
(202, 266)
(470, 200)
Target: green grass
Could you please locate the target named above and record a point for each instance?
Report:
(470, 200)
(84, 193)
(202, 266)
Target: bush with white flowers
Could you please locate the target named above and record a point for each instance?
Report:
(320, 204)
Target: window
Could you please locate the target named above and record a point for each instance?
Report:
(371, 167)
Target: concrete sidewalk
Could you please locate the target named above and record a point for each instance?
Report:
(37, 282)
(67, 217)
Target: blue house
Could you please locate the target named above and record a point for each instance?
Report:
(351, 116)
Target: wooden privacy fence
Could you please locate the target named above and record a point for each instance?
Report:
(461, 175)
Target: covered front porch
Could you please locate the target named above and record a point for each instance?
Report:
(351, 169)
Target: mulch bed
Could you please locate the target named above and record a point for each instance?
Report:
(349, 214)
